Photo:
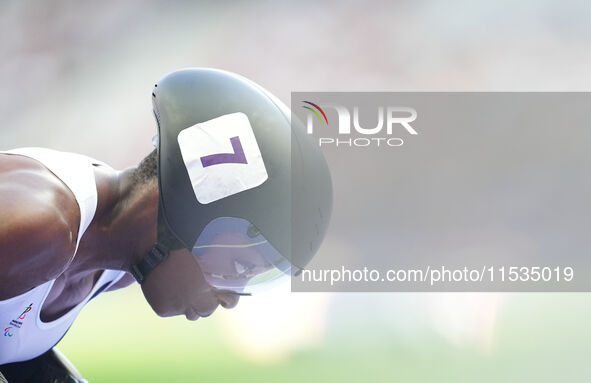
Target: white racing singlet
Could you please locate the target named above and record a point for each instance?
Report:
(23, 335)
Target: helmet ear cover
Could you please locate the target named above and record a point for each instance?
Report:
(294, 226)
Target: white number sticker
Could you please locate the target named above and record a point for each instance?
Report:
(222, 157)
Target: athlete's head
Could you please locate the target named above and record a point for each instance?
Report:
(244, 197)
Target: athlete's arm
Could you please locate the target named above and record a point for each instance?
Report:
(39, 219)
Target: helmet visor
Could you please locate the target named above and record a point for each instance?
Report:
(234, 256)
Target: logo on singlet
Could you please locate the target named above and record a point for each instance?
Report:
(17, 323)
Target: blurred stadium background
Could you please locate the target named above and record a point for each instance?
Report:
(77, 76)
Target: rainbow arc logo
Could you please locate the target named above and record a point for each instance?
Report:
(315, 109)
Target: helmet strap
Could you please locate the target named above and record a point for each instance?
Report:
(157, 254)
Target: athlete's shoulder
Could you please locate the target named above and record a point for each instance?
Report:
(39, 219)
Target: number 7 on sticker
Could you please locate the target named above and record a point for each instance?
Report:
(237, 157)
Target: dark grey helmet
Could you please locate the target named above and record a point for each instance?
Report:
(227, 153)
